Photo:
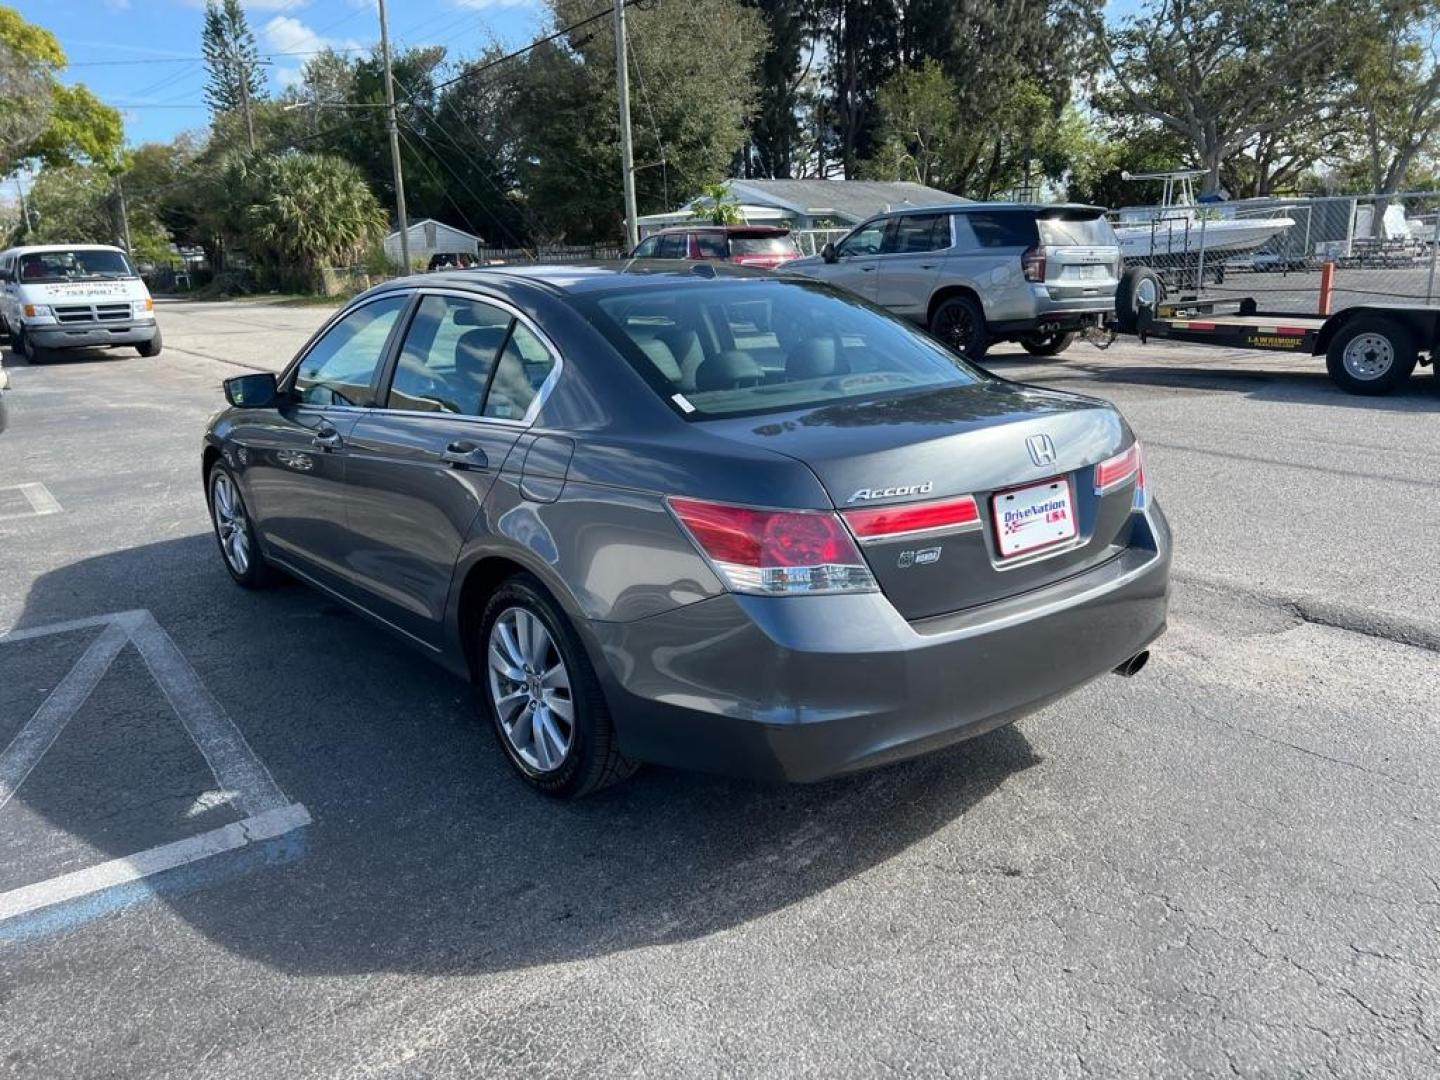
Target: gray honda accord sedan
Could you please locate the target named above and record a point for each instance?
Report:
(695, 516)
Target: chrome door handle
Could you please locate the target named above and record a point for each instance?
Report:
(327, 439)
(464, 454)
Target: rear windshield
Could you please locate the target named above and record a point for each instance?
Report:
(762, 245)
(78, 265)
(1076, 230)
(740, 348)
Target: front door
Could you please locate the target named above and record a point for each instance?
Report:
(857, 260)
(459, 398)
(910, 263)
(293, 459)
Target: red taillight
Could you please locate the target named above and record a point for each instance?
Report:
(1112, 472)
(775, 551)
(880, 522)
(1032, 264)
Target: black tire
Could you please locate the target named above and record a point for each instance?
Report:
(1137, 285)
(34, 355)
(593, 759)
(151, 347)
(959, 321)
(1048, 344)
(256, 573)
(1367, 341)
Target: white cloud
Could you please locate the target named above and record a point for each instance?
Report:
(287, 34)
(255, 5)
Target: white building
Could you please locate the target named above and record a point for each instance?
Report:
(430, 237)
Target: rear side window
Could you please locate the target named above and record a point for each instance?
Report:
(524, 366)
(712, 245)
(448, 355)
(739, 349)
(916, 233)
(1092, 231)
(340, 367)
(1002, 228)
(673, 246)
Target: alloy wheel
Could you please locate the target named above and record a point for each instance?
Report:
(530, 690)
(957, 327)
(230, 522)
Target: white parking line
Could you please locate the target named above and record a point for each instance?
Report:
(237, 771)
(39, 498)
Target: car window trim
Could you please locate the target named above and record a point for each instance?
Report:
(516, 315)
(286, 381)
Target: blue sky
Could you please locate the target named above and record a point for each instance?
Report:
(159, 87)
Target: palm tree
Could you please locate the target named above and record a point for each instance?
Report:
(304, 211)
(716, 200)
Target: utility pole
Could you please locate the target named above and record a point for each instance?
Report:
(25, 210)
(394, 127)
(627, 151)
(245, 99)
(124, 217)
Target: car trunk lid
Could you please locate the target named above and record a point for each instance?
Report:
(986, 441)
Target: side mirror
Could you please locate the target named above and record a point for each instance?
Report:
(828, 253)
(251, 391)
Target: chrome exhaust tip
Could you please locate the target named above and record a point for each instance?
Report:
(1134, 664)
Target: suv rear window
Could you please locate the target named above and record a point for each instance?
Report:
(751, 347)
(1090, 230)
(762, 245)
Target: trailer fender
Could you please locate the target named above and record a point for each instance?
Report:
(1422, 322)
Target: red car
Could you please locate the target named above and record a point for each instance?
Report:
(745, 245)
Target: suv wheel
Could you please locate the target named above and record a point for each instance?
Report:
(960, 323)
(542, 696)
(1048, 344)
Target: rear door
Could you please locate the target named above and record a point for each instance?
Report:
(296, 455)
(909, 262)
(1081, 253)
(463, 388)
(987, 256)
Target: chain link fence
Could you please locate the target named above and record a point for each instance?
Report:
(1381, 249)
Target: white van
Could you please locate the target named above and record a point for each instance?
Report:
(74, 296)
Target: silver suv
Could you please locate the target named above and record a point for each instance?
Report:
(977, 273)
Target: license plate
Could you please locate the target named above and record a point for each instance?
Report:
(1087, 272)
(1033, 517)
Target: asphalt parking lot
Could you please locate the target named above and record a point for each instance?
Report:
(1229, 865)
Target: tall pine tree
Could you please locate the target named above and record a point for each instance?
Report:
(231, 58)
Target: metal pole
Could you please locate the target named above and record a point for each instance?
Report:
(1434, 250)
(245, 100)
(1200, 270)
(392, 124)
(24, 209)
(627, 152)
(124, 217)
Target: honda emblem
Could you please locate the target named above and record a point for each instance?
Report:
(1042, 450)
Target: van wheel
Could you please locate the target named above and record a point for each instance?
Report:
(151, 347)
(960, 323)
(1371, 355)
(1048, 344)
(33, 354)
(1139, 287)
(541, 695)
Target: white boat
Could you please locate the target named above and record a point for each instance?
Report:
(1177, 228)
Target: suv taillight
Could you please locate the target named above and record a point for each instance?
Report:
(775, 552)
(1032, 264)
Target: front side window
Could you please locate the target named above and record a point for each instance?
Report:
(80, 264)
(735, 349)
(524, 366)
(647, 248)
(449, 352)
(340, 367)
(865, 240)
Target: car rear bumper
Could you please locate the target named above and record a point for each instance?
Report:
(91, 335)
(801, 688)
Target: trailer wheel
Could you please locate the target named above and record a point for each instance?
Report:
(1371, 355)
(1139, 287)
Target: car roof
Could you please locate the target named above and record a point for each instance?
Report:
(982, 207)
(40, 249)
(756, 230)
(571, 278)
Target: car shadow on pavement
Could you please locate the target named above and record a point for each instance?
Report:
(426, 854)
